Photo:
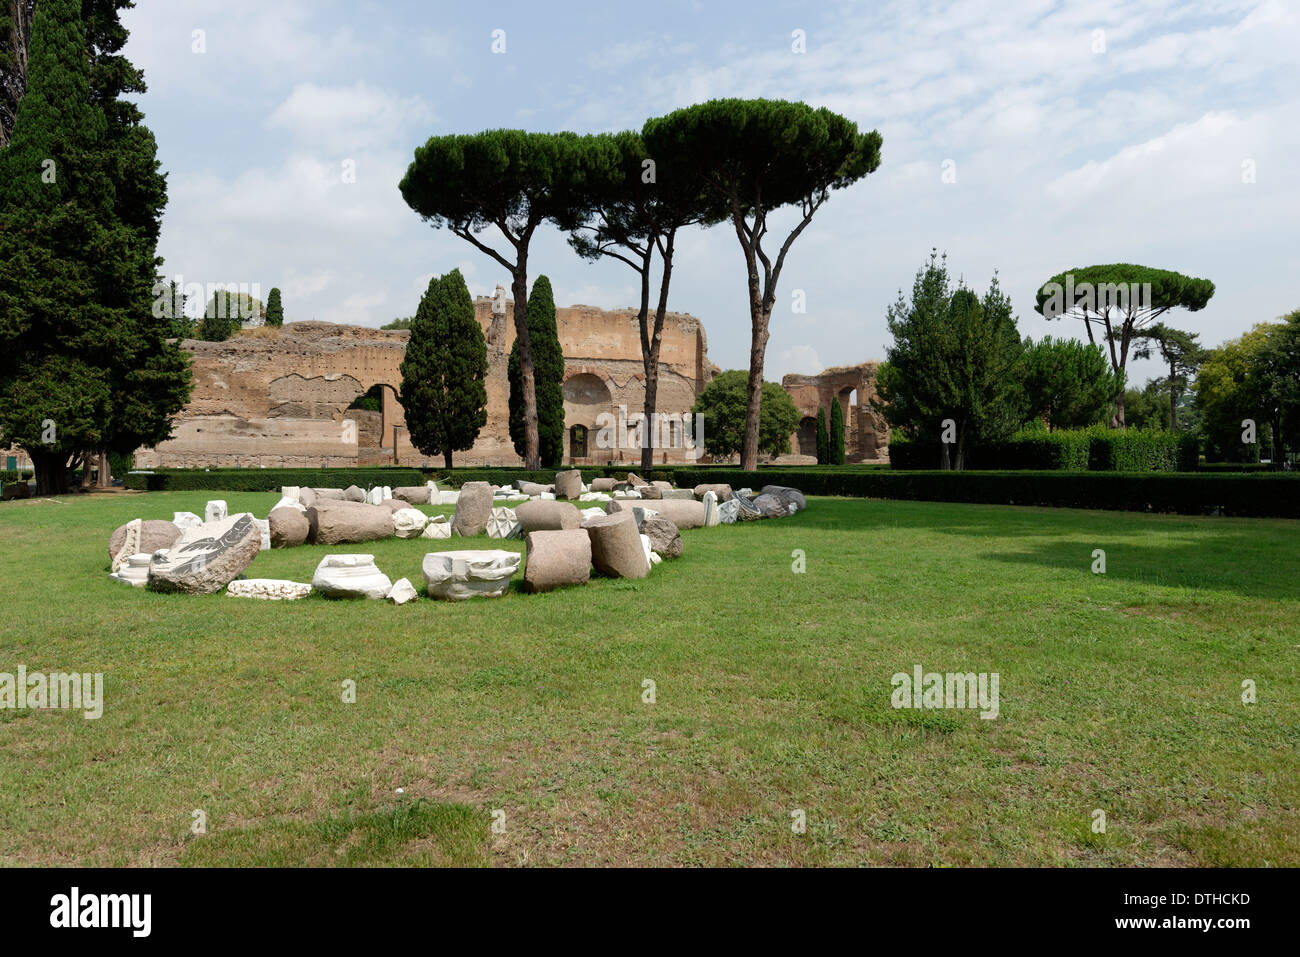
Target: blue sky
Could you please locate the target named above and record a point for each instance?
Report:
(1079, 132)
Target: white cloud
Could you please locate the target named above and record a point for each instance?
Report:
(796, 359)
(356, 114)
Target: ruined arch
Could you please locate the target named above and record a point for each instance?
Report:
(806, 438)
(587, 394)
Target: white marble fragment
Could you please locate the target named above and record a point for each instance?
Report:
(350, 576)
(402, 592)
(455, 576)
(268, 589)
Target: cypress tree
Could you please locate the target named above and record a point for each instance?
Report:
(548, 371)
(837, 433)
(57, 335)
(443, 371)
(823, 439)
(275, 311)
(150, 376)
(85, 366)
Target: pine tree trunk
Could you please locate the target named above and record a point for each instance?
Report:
(651, 359)
(754, 405)
(105, 470)
(651, 392)
(446, 458)
(1173, 402)
(527, 378)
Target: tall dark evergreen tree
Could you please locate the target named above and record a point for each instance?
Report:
(443, 371)
(274, 309)
(836, 446)
(955, 356)
(57, 337)
(823, 439)
(97, 219)
(548, 372)
(1067, 382)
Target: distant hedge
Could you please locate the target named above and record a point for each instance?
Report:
(268, 480)
(1273, 494)
(8, 476)
(1097, 449)
(1260, 495)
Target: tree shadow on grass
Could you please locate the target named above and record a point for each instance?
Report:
(1225, 562)
(1248, 557)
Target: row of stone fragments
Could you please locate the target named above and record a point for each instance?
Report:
(203, 555)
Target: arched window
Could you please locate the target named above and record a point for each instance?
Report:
(578, 442)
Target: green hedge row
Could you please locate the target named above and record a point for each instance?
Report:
(268, 480)
(1275, 494)
(1260, 495)
(8, 476)
(1097, 449)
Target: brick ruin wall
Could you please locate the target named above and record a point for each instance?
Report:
(282, 400)
(866, 434)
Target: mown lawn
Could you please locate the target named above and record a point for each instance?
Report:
(1119, 692)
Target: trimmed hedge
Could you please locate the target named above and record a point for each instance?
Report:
(9, 476)
(1271, 494)
(1258, 495)
(1095, 449)
(268, 480)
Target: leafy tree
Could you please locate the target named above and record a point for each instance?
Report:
(954, 357)
(515, 181)
(548, 364)
(58, 254)
(443, 370)
(87, 208)
(1146, 408)
(274, 309)
(1122, 300)
(1229, 390)
(151, 376)
(823, 439)
(1277, 369)
(226, 312)
(629, 210)
(398, 324)
(835, 449)
(753, 157)
(1068, 382)
(724, 402)
(170, 305)
(1180, 352)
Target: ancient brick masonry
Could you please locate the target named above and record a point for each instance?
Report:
(866, 435)
(282, 400)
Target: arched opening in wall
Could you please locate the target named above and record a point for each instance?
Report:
(379, 419)
(848, 404)
(578, 442)
(586, 396)
(808, 436)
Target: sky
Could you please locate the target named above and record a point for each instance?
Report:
(1020, 137)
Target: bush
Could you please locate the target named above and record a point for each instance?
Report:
(1272, 494)
(269, 480)
(1255, 495)
(1094, 449)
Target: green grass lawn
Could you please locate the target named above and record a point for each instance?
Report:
(1119, 692)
